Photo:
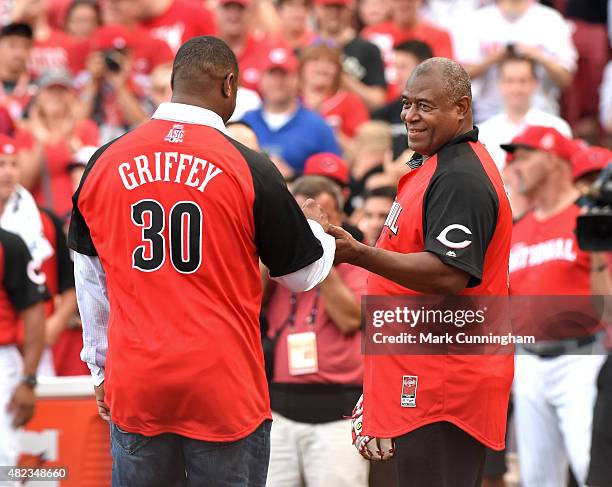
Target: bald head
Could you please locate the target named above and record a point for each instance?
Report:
(455, 80)
(205, 73)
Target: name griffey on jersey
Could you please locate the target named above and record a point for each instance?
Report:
(174, 167)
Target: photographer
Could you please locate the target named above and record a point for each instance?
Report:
(109, 95)
(587, 166)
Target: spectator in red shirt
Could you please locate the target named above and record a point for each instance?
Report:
(15, 48)
(311, 393)
(49, 139)
(174, 21)
(233, 17)
(320, 78)
(362, 62)
(83, 17)
(53, 49)
(111, 96)
(294, 16)
(406, 25)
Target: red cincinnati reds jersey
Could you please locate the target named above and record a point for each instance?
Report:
(179, 215)
(18, 289)
(454, 206)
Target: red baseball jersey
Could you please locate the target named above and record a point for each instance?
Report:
(179, 215)
(21, 286)
(545, 260)
(455, 207)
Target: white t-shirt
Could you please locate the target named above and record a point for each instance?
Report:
(488, 29)
(446, 13)
(605, 96)
(246, 100)
(499, 129)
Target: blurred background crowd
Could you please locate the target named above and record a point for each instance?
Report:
(320, 94)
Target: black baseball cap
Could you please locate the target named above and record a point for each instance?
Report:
(20, 30)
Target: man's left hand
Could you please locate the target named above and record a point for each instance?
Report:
(22, 405)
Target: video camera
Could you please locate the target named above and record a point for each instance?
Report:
(594, 228)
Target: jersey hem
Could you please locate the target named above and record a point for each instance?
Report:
(437, 419)
(195, 436)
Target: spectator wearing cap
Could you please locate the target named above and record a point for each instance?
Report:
(373, 213)
(363, 68)
(83, 17)
(321, 90)
(52, 49)
(336, 169)
(49, 139)
(407, 56)
(15, 88)
(309, 400)
(536, 139)
(517, 84)
(553, 428)
(286, 130)
(251, 49)
(515, 26)
(587, 164)
(110, 95)
(406, 24)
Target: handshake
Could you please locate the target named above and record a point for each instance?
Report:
(347, 248)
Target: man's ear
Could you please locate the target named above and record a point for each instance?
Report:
(464, 105)
(230, 85)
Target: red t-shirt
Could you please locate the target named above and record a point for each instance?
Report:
(57, 158)
(545, 260)
(459, 187)
(344, 112)
(180, 241)
(386, 35)
(339, 355)
(59, 51)
(182, 21)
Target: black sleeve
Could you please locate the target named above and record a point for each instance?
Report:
(375, 67)
(79, 237)
(283, 237)
(20, 274)
(65, 267)
(459, 219)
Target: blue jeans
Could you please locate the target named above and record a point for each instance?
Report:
(170, 460)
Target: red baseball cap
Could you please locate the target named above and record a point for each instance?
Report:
(342, 3)
(546, 139)
(281, 57)
(590, 159)
(244, 3)
(8, 146)
(329, 165)
(112, 36)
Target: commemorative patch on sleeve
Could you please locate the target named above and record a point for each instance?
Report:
(409, 391)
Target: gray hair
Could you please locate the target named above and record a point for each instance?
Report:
(455, 80)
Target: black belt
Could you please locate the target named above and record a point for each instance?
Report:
(558, 348)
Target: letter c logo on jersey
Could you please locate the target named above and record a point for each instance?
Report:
(443, 239)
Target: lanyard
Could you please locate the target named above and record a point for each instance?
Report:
(310, 320)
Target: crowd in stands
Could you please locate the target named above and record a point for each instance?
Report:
(320, 95)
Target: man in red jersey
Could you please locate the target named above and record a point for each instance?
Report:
(448, 232)
(169, 224)
(555, 389)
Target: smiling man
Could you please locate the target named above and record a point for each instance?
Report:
(448, 232)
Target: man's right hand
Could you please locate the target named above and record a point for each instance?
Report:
(313, 211)
(103, 409)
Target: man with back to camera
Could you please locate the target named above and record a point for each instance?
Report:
(168, 267)
(448, 232)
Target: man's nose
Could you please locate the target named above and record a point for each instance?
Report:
(409, 114)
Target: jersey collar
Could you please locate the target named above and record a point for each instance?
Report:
(181, 112)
